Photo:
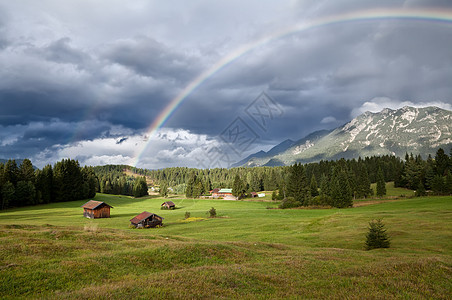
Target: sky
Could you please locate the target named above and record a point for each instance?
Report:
(203, 83)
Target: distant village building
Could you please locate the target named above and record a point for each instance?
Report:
(223, 193)
(168, 205)
(96, 209)
(146, 220)
(214, 191)
(253, 194)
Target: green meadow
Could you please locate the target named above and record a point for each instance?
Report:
(250, 250)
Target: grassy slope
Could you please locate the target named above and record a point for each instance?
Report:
(249, 252)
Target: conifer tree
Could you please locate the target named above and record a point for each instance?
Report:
(189, 190)
(420, 191)
(297, 184)
(313, 187)
(26, 171)
(341, 193)
(441, 162)
(324, 186)
(381, 185)
(163, 191)
(377, 236)
(238, 186)
(8, 195)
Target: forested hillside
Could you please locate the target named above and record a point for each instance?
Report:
(66, 181)
(355, 176)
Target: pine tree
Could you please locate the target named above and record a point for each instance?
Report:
(11, 172)
(420, 191)
(238, 187)
(377, 236)
(25, 193)
(381, 185)
(363, 182)
(297, 184)
(324, 186)
(190, 185)
(8, 195)
(26, 171)
(448, 184)
(140, 187)
(438, 185)
(441, 162)
(313, 187)
(341, 193)
(163, 191)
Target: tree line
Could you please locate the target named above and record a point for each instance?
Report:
(113, 180)
(66, 181)
(326, 182)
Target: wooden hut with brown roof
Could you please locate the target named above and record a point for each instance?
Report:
(147, 220)
(96, 209)
(168, 205)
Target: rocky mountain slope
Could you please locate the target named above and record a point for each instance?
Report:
(394, 132)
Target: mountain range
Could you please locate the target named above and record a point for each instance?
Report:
(389, 132)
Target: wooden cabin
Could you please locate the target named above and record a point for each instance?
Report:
(146, 220)
(168, 205)
(96, 209)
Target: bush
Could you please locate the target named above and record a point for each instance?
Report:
(289, 202)
(187, 215)
(377, 236)
(213, 212)
(321, 200)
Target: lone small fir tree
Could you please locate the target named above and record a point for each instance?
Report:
(213, 212)
(377, 236)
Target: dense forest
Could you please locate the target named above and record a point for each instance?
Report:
(66, 181)
(334, 183)
(114, 180)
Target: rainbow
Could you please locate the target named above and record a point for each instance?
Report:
(429, 15)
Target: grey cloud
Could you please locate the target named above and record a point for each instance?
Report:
(87, 73)
(60, 51)
(148, 57)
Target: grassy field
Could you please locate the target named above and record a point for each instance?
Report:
(248, 251)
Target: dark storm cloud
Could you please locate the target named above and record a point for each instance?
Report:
(147, 57)
(61, 51)
(78, 72)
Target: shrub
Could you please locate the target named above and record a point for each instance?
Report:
(377, 236)
(213, 212)
(320, 200)
(187, 215)
(289, 202)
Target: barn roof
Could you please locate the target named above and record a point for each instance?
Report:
(170, 203)
(91, 204)
(225, 191)
(215, 190)
(143, 216)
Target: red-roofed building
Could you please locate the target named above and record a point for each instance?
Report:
(146, 220)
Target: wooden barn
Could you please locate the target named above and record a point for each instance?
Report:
(96, 209)
(146, 220)
(168, 205)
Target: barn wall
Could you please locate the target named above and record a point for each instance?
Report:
(88, 213)
(103, 212)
